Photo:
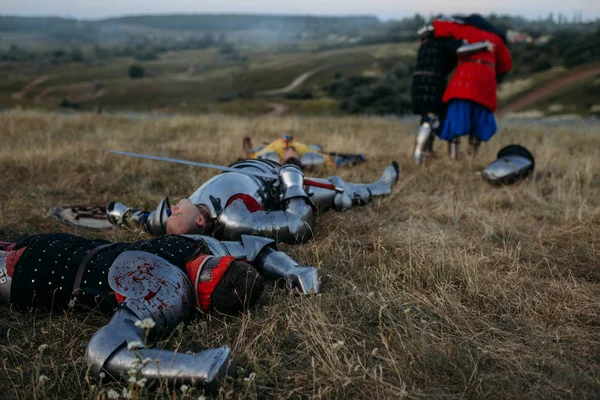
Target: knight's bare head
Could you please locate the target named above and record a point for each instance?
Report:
(187, 218)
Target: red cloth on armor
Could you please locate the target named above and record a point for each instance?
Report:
(12, 257)
(475, 76)
(204, 290)
(249, 201)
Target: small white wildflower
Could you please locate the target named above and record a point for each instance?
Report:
(132, 372)
(250, 377)
(338, 344)
(136, 363)
(112, 394)
(132, 379)
(102, 375)
(147, 323)
(142, 382)
(184, 388)
(134, 345)
(146, 361)
(43, 379)
(127, 394)
(42, 347)
(72, 302)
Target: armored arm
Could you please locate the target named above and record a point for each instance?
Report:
(468, 49)
(292, 224)
(262, 253)
(157, 296)
(153, 222)
(426, 32)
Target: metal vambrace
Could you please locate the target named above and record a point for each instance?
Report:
(468, 49)
(292, 225)
(5, 280)
(292, 183)
(114, 349)
(154, 222)
(275, 264)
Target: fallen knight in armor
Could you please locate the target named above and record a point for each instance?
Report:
(288, 150)
(160, 281)
(233, 204)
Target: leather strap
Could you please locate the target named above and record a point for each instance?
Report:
(84, 262)
(477, 61)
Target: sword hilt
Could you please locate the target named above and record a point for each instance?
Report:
(330, 186)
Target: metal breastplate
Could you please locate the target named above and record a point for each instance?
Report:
(216, 192)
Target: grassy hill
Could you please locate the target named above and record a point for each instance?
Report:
(446, 288)
(185, 80)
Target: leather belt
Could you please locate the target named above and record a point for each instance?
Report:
(84, 262)
(427, 73)
(482, 62)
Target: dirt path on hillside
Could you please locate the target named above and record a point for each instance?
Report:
(27, 88)
(277, 109)
(299, 80)
(549, 88)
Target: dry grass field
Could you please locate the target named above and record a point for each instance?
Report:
(448, 288)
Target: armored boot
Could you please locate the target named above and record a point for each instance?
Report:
(158, 296)
(120, 347)
(275, 264)
(153, 222)
(453, 147)
(270, 262)
(425, 138)
(353, 193)
(360, 194)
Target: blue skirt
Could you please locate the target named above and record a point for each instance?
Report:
(465, 117)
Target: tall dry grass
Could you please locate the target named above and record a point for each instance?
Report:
(446, 288)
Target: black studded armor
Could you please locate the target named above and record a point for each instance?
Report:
(435, 60)
(45, 273)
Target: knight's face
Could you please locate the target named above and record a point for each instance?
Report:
(185, 219)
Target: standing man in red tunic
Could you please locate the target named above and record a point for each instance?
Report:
(471, 92)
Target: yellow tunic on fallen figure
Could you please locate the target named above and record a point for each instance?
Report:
(284, 149)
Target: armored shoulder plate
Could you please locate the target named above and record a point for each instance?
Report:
(312, 160)
(271, 156)
(154, 288)
(266, 166)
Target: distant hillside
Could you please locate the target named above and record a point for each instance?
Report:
(239, 22)
(94, 31)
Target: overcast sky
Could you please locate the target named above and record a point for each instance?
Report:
(382, 8)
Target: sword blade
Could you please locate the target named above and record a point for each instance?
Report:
(308, 182)
(194, 164)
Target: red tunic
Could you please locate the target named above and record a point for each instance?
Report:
(475, 75)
